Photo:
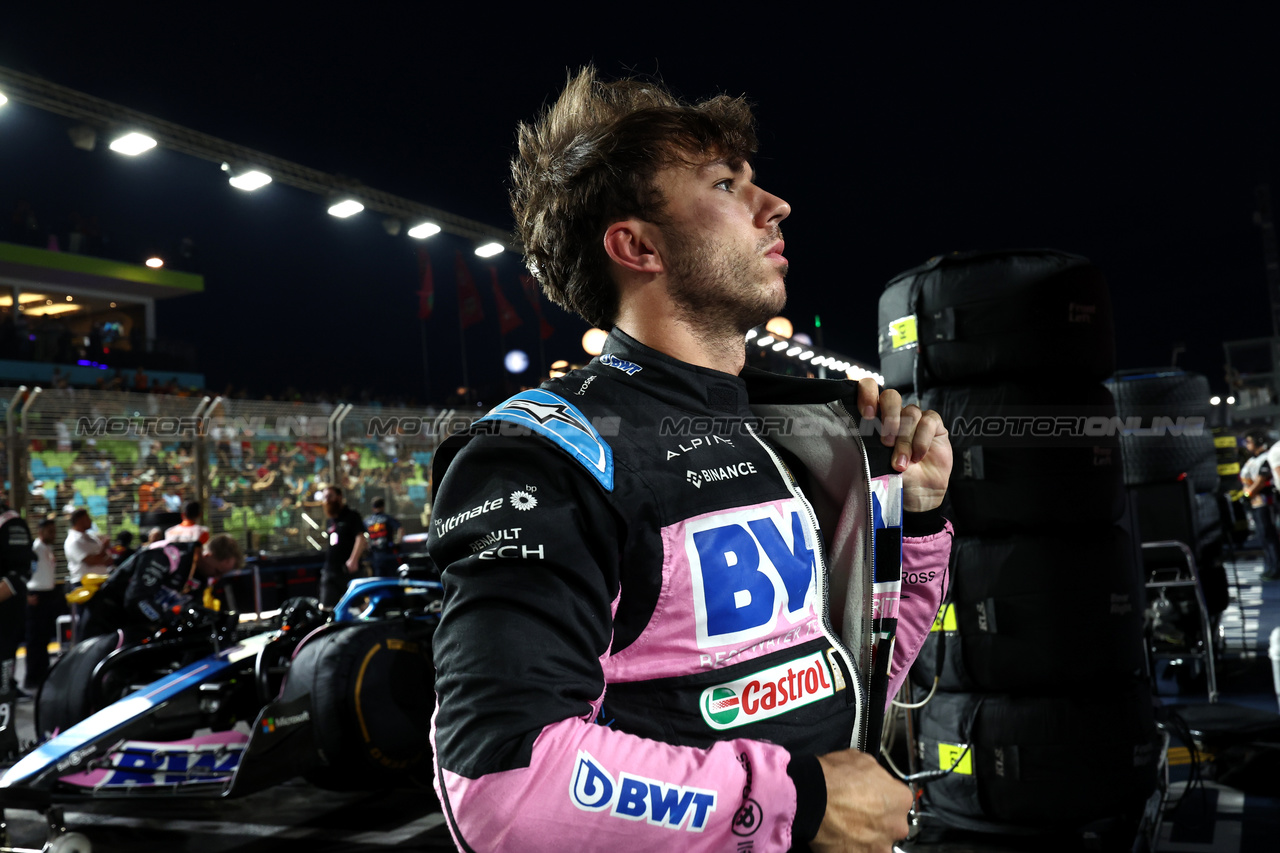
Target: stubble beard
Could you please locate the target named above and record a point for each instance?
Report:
(720, 292)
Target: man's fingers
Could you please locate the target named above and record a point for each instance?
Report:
(868, 398)
(890, 416)
(903, 447)
(928, 428)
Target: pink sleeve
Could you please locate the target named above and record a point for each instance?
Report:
(924, 583)
(588, 786)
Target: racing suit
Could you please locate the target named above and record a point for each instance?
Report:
(145, 592)
(644, 630)
(15, 570)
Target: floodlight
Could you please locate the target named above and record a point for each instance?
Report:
(155, 263)
(1231, 401)
(806, 355)
(488, 250)
(3, 99)
(593, 341)
(516, 361)
(780, 345)
(765, 341)
(1215, 400)
(346, 207)
(780, 326)
(793, 351)
(132, 144)
(250, 180)
(425, 230)
(751, 333)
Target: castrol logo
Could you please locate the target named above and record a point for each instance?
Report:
(767, 693)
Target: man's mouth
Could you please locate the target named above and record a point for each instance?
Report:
(775, 252)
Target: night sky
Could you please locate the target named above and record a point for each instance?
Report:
(1136, 139)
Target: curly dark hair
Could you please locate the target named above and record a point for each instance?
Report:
(591, 159)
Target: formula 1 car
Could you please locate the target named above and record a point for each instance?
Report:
(204, 710)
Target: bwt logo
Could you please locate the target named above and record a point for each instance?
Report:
(747, 566)
(630, 797)
(162, 426)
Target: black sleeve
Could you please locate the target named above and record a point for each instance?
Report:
(528, 549)
(15, 552)
(149, 598)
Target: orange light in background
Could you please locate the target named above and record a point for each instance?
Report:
(779, 326)
(593, 341)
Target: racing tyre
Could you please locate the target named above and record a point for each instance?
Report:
(1030, 455)
(1039, 614)
(1038, 761)
(1028, 315)
(371, 687)
(1172, 408)
(64, 698)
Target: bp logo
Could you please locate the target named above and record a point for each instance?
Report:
(722, 705)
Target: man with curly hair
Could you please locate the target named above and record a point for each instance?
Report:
(662, 626)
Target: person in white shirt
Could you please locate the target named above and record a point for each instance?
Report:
(1256, 474)
(42, 605)
(190, 530)
(83, 550)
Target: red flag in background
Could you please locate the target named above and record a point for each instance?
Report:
(508, 319)
(470, 311)
(427, 293)
(531, 290)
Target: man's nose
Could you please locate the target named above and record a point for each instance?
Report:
(772, 210)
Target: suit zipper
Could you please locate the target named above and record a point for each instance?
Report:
(824, 610)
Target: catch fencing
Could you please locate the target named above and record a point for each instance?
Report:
(257, 466)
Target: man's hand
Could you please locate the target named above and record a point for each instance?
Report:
(353, 566)
(866, 807)
(921, 449)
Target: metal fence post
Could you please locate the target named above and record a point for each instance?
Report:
(201, 474)
(11, 447)
(17, 477)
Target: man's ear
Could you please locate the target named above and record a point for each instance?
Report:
(629, 244)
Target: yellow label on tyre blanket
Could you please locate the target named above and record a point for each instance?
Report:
(945, 620)
(902, 332)
(1224, 441)
(1229, 469)
(949, 752)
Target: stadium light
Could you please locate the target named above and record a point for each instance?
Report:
(593, 341)
(154, 263)
(765, 341)
(3, 99)
(132, 144)
(1231, 401)
(248, 180)
(488, 250)
(346, 207)
(558, 368)
(779, 346)
(751, 333)
(793, 351)
(806, 355)
(780, 326)
(1215, 400)
(423, 231)
(516, 361)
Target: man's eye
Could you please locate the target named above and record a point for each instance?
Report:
(726, 184)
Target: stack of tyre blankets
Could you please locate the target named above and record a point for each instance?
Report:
(1040, 707)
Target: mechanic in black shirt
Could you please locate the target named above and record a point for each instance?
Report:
(15, 571)
(347, 541)
(384, 539)
(158, 584)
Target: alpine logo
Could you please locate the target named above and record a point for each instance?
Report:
(694, 478)
(695, 443)
(767, 693)
(610, 360)
(631, 797)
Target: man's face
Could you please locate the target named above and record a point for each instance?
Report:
(214, 568)
(1249, 446)
(721, 244)
(84, 522)
(332, 503)
(46, 534)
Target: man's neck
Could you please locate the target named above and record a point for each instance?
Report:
(658, 325)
